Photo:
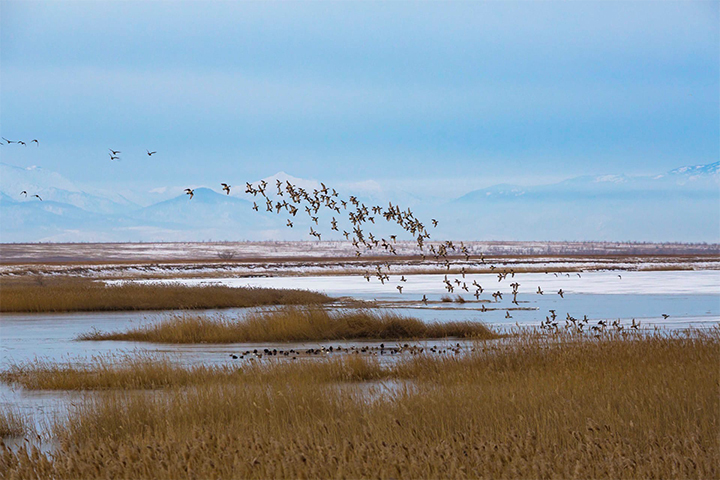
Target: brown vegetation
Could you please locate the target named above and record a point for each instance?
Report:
(645, 406)
(67, 294)
(294, 324)
(12, 423)
(149, 372)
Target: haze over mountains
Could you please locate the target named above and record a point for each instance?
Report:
(680, 205)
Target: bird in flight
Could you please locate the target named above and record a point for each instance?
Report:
(114, 152)
(191, 192)
(113, 157)
(24, 192)
(226, 187)
(434, 222)
(560, 292)
(665, 316)
(150, 154)
(9, 141)
(38, 196)
(20, 142)
(37, 144)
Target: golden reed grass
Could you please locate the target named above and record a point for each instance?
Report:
(12, 423)
(645, 406)
(79, 294)
(147, 372)
(294, 324)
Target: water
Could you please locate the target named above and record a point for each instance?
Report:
(689, 298)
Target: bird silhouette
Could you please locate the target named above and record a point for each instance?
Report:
(24, 192)
(226, 187)
(191, 192)
(37, 144)
(150, 154)
(560, 292)
(114, 152)
(38, 196)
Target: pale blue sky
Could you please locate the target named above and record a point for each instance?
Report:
(484, 92)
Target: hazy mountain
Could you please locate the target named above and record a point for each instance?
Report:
(52, 186)
(680, 205)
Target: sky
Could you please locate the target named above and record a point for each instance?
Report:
(427, 95)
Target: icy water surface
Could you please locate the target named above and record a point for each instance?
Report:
(689, 298)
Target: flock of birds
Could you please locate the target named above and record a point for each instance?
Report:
(371, 350)
(19, 142)
(581, 325)
(290, 199)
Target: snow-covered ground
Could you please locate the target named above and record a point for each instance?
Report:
(11, 253)
(605, 283)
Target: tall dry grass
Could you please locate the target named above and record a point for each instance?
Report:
(636, 407)
(294, 324)
(69, 294)
(148, 372)
(12, 423)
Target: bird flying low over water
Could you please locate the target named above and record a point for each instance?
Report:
(226, 188)
(191, 192)
(560, 292)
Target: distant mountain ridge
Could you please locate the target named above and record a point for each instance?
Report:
(680, 205)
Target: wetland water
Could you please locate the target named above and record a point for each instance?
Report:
(690, 298)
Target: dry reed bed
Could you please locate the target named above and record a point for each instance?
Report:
(12, 423)
(294, 324)
(638, 407)
(148, 372)
(70, 294)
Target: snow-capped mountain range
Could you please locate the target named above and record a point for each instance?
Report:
(680, 205)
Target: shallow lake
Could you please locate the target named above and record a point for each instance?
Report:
(689, 298)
